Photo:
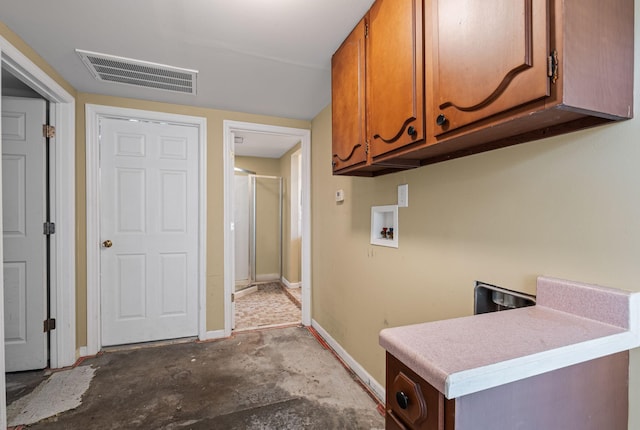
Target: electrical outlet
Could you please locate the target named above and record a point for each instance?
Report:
(339, 196)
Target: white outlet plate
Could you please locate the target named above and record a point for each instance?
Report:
(403, 196)
(339, 195)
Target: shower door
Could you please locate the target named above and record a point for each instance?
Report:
(258, 229)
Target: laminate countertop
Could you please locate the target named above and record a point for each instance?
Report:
(570, 324)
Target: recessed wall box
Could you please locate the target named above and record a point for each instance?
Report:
(384, 226)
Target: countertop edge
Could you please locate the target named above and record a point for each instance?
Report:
(481, 378)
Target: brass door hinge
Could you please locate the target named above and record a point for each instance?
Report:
(233, 297)
(49, 324)
(48, 131)
(552, 66)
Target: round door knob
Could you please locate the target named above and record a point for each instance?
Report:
(441, 120)
(411, 130)
(402, 399)
(107, 243)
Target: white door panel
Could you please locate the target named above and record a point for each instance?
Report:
(149, 210)
(23, 203)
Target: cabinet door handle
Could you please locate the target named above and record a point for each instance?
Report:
(441, 120)
(402, 399)
(411, 131)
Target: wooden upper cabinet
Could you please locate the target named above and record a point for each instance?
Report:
(488, 57)
(395, 75)
(348, 101)
(424, 81)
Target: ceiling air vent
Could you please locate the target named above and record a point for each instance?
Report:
(110, 68)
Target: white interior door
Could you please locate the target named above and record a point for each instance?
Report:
(23, 211)
(149, 213)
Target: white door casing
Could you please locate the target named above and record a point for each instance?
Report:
(149, 199)
(23, 205)
(94, 114)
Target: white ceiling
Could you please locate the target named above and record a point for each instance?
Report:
(267, 57)
(252, 144)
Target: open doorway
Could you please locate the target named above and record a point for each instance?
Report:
(283, 181)
(25, 80)
(267, 284)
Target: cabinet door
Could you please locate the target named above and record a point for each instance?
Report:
(489, 56)
(411, 403)
(395, 75)
(348, 101)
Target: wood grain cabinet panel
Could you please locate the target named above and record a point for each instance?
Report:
(395, 75)
(506, 72)
(449, 78)
(348, 101)
(488, 58)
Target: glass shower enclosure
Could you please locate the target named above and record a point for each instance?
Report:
(257, 228)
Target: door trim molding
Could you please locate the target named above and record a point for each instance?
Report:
(230, 127)
(93, 114)
(63, 249)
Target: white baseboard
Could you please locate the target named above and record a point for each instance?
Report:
(288, 284)
(82, 352)
(364, 376)
(245, 291)
(212, 335)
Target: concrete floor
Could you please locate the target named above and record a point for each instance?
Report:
(269, 379)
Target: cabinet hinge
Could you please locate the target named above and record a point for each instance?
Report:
(366, 148)
(552, 66)
(233, 297)
(49, 228)
(49, 324)
(48, 131)
(366, 30)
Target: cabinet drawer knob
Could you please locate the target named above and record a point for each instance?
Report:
(402, 399)
(411, 130)
(441, 120)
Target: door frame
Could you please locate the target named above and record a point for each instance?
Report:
(229, 128)
(93, 114)
(62, 349)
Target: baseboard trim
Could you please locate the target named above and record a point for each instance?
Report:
(364, 376)
(212, 335)
(245, 291)
(82, 352)
(288, 284)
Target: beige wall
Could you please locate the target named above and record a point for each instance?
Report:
(291, 251)
(567, 207)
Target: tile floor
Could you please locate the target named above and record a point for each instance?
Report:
(269, 306)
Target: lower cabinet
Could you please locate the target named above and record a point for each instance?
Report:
(588, 396)
(412, 403)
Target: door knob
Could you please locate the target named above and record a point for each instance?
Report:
(107, 244)
(441, 120)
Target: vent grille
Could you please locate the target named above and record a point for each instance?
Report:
(109, 68)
